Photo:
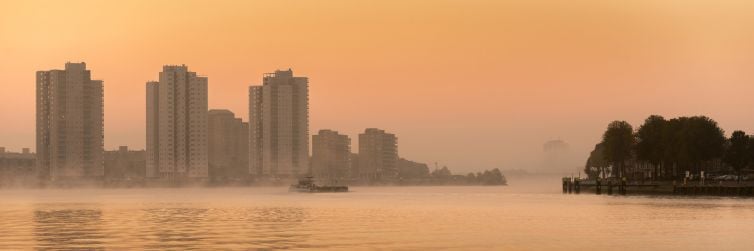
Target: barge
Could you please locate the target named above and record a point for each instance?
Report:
(307, 185)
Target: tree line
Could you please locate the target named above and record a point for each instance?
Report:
(666, 149)
(413, 173)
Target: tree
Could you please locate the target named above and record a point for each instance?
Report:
(443, 173)
(691, 141)
(703, 140)
(670, 140)
(737, 154)
(650, 146)
(618, 141)
(751, 152)
(498, 177)
(470, 178)
(492, 177)
(596, 162)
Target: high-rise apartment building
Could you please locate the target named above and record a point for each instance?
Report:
(378, 155)
(331, 155)
(177, 124)
(228, 140)
(70, 131)
(279, 125)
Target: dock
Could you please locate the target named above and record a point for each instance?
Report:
(623, 187)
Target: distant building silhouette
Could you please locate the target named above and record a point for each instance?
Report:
(177, 125)
(228, 145)
(279, 125)
(408, 169)
(69, 123)
(557, 156)
(16, 168)
(125, 165)
(378, 155)
(331, 155)
(354, 168)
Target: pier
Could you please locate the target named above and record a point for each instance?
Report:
(623, 187)
(715, 190)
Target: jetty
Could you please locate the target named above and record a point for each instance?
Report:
(624, 187)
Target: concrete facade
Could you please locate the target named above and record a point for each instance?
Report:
(125, 165)
(378, 155)
(17, 168)
(279, 125)
(70, 124)
(177, 125)
(228, 139)
(331, 155)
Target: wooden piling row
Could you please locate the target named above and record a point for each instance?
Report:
(571, 186)
(714, 190)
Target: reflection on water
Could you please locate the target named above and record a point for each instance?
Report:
(423, 218)
(277, 227)
(174, 227)
(187, 227)
(68, 228)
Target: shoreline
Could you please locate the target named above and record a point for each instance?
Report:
(667, 188)
(207, 185)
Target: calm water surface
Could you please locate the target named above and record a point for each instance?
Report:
(523, 216)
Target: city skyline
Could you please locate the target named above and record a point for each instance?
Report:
(501, 76)
(186, 141)
(377, 125)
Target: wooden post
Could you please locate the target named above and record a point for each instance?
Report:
(599, 186)
(609, 187)
(675, 191)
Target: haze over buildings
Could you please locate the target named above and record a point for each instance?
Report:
(502, 76)
(69, 123)
(185, 141)
(124, 164)
(17, 167)
(378, 155)
(279, 125)
(331, 155)
(228, 145)
(557, 157)
(177, 124)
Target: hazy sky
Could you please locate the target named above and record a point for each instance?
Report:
(468, 84)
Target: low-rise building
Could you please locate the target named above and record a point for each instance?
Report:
(125, 165)
(331, 155)
(228, 146)
(378, 155)
(409, 170)
(17, 168)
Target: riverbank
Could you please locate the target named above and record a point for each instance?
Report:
(197, 183)
(614, 186)
(529, 214)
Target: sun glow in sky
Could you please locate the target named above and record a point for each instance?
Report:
(468, 84)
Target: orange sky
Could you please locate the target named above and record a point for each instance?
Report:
(470, 84)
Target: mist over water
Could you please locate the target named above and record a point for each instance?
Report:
(530, 213)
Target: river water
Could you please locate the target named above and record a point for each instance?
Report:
(527, 215)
